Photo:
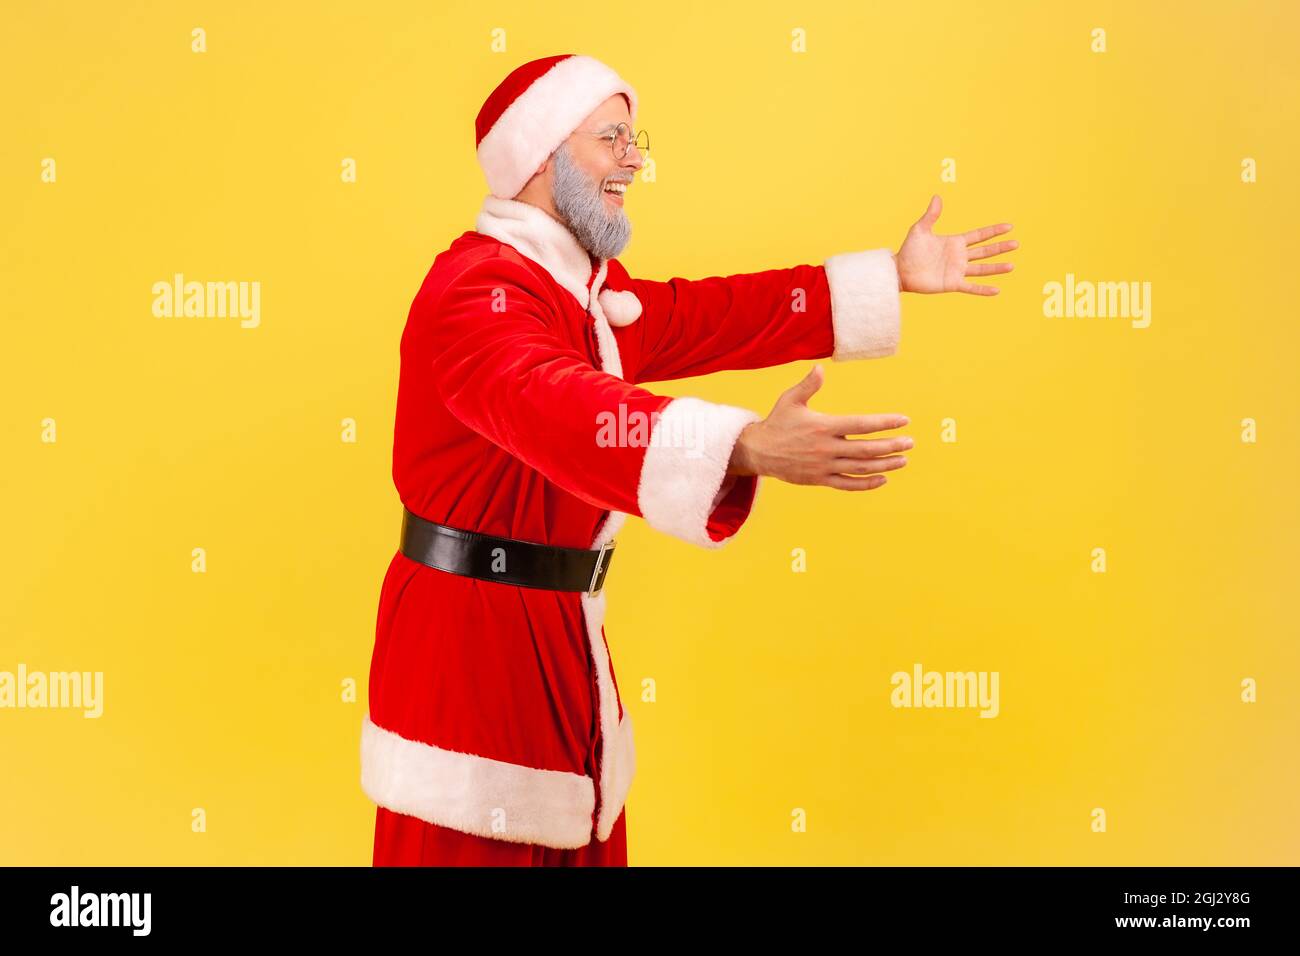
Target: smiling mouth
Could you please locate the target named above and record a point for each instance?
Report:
(614, 191)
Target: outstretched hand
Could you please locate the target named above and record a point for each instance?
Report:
(805, 447)
(930, 263)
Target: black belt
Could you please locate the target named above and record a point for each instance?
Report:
(489, 558)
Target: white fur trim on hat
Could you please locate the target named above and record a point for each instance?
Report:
(542, 117)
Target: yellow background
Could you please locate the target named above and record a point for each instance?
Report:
(222, 690)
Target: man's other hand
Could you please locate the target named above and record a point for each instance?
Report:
(805, 447)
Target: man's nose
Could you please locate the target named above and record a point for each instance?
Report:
(633, 158)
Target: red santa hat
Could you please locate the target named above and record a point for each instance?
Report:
(534, 110)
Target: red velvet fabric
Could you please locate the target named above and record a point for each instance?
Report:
(498, 397)
(401, 840)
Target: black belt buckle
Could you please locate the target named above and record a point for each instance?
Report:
(468, 553)
(600, 570)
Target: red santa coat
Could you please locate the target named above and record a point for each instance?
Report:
(494, 709)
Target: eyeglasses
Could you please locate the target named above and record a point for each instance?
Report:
(621, 138)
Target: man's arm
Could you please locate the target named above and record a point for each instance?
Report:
(847, 308)
(506, 375)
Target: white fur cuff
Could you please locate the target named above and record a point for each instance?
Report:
(864, 304)
(686, 464)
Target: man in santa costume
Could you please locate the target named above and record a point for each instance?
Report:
(496, 734)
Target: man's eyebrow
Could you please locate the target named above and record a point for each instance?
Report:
(608, 128)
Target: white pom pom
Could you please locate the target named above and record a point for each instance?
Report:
(620, 308)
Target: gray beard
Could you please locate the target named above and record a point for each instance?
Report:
(581, 206)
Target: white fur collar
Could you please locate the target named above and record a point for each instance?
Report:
(541, 238)
(550, 244)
